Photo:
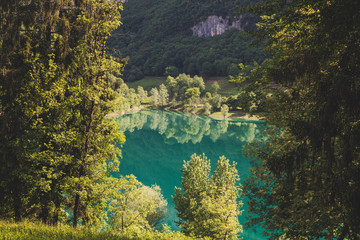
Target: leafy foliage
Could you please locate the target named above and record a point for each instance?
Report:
(305, 178)
(32, 231)
(55, 93)
(224, 110)
(183, 83)
(133, 205)
(208, 206)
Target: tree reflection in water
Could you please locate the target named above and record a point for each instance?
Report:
(185, 127)
(157, 143)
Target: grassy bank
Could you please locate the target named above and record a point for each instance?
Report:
(37, 231)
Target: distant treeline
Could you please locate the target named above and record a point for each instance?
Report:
(156, 35)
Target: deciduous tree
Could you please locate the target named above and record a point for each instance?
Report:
(55, 94)
(155, 96)
(208, 206)
(224, 110)
(132, 204)
(163, 95)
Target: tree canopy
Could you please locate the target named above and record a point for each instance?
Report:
(305, 179)
(56, 90)
(208, 206)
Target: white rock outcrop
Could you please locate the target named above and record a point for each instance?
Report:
(215, 25)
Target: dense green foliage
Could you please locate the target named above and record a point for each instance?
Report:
(57, 146)
(183, 92)
(58, 84)
(31, 231)
(305, 180)
(133, 205)
(208, 206)
(157, 37)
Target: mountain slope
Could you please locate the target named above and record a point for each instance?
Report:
(158, 34)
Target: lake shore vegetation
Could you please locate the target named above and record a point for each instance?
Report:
(189, 94)
(58, 147)
(60, 84)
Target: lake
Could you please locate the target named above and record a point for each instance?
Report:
(157, 143)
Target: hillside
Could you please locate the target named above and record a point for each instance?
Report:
(184, 34)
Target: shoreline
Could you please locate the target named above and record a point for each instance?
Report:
(134, 110)
(215, 115)
(244, 116)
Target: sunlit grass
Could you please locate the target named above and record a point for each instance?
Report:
(226, 87)
(38, 231)
(147, 82)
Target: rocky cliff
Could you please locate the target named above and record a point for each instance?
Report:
(215, 25)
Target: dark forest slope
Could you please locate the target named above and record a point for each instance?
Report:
(158, 34)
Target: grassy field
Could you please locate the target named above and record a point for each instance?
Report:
(37, 231)
(226, 87)
(147, 82)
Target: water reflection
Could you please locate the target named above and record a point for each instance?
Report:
(157, 143)
(184, 128)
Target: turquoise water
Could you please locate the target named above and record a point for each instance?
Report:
(157, 143)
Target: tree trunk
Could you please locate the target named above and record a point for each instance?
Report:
(83, 160)
(17, 205)
(76, 210)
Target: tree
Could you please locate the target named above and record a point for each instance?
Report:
(132, 204)
(55, 93)
(216, 101)
(224, 110)
(163, 95)
(171, 71)
(90, 99)
(32, 55)
(233, 70)
(198, 82)
(192, 96)
(208, 206)
(305, 176)
(179, 85)
(192, 93)
(155, 96)
(207, 69)
(172, 87)
(215, 87)
(218, 214)
(142, 94)
(207, 108)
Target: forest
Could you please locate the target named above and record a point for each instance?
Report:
(60, 80)
(157, 34)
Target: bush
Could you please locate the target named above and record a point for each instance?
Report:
(37, 231)
(171, 71)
